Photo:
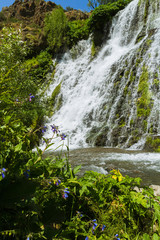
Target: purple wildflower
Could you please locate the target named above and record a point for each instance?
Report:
(63, 136)
(44, 129)
(94, 226)
(116, 235)
(80, 214)
(58, 182)
(3, 175)
(66, 192)
(30, 97)
(26, 174)
(54, 128)
(65, 195)
(94, 220)
(3, 170)
(103, 227)
(87, 238)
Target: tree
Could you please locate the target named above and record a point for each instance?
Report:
(95, 3)
(56, 26)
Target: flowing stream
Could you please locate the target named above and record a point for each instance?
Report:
(100, 98)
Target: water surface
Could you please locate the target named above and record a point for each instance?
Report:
(141, 164)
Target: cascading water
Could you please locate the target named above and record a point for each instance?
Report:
(112, 100)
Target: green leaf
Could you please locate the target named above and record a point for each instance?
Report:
(7, 119)
(18, 147)
(146, 236)
(76, 169)
(156, 237)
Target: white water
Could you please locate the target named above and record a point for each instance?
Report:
(88, 87)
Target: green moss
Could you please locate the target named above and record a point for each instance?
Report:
(122, 124)
(138, 61)
(148, 42)
(153, 143)
(93, 49)
(132, 77)
(59, 103)
(125, 90)
(144, 126)
(131, 122)
(146, 11)
(126, 74)
(144, 100)
(55, 94)
(116, 83)
(156, 82)
(129, 93)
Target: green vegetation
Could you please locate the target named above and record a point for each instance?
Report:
(101, 16)
(144, 100)
(78, 30)
(21, 79)
(61, 33)
(43, 197)
(56, 28)
(153, 143)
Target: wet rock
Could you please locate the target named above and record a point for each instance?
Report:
(156, 189)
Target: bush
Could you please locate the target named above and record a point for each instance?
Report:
(56, 27)
(20, 80)
(78, 30)
(103, 15)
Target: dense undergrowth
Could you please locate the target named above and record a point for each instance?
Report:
(42, 198)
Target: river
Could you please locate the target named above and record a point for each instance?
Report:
(145, 165)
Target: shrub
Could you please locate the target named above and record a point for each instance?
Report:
(101, 16)
(78, 30)
(56, 27)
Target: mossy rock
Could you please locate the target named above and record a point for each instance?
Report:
(153, 143)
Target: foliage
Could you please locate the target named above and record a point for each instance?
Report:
(78, 30)
(62, 34)
(68, 8)
(153, 143)
(95, 3)
(56, 28)
(38, 67)
(12, 49)
(20, 79)
(101, 16)
(42, 197)
(144, 100)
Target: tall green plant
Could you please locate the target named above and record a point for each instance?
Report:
(56, 26)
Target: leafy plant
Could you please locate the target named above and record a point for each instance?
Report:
(56, 27)
(101, 16)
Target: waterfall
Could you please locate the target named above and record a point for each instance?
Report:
(112, 100)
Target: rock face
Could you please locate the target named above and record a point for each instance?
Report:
(34, 11)
(30, 14)
(29, 10)
(76, 15)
